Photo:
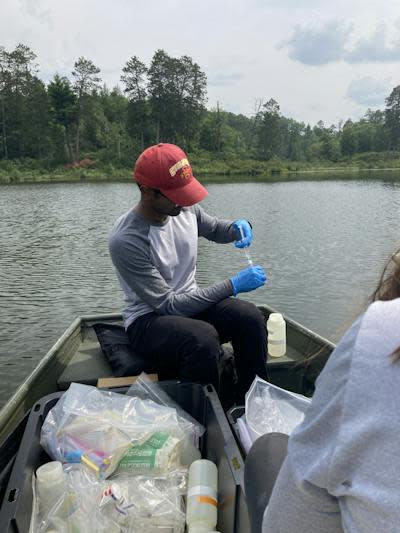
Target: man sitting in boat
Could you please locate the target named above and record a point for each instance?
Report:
(168, 317)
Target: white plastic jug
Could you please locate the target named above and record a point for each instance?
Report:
(276, 327)
(201, 511)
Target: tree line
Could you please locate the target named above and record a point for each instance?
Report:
(78, 116)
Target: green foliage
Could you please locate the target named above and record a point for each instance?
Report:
(348, 141)
(392, 117)
(43, 128)
(85, 75)
(134, 79)
(268, 128)
(177, 95)
(138, 112)
(64, 113)
(63, 101)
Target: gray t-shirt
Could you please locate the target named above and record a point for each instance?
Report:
(342, 471)
(156, 263)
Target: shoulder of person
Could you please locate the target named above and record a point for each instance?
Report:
(130, 222)
(381, 315)
(128, 230)
(122, 220)
(380, 327)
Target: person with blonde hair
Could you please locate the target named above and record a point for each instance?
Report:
(342, 469)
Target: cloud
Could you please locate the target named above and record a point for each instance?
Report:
(224, 78)
(368, 91)
(329, 43)
(35, 9)
(318, 46)
(374, 49)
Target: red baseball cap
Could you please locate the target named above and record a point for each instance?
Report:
(166, 167)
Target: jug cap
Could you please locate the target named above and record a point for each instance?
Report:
(276, 317)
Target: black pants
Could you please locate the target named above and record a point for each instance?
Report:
(189, 348)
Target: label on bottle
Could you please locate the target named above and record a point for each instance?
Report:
(204, 494)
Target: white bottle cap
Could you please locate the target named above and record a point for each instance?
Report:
(50, 484)
(203, 472)
(50, 473)
(275, 317)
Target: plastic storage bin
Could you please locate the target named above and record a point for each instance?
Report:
(218, 444)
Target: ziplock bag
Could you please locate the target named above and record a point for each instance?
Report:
(272, 409)
(97, 427)
(189, 431)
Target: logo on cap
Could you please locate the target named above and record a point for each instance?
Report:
(180, 164)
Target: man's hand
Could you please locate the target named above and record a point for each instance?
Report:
(248, 279)
(244, 233)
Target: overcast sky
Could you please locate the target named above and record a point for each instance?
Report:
(320, 59)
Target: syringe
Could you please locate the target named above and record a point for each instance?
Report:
(248, 257)
(246, 250)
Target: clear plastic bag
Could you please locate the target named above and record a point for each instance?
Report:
(147, 389)
(98, 427)
(145, 435)
(189, 431)
(146, 503)
(74, 511)
(86, 425)
(121, 505)
(272, 409)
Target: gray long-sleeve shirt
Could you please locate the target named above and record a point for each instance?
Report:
(156, 263)
(342, 471)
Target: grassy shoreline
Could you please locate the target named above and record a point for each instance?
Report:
(207, 169)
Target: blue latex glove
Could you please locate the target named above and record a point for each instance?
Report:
(248, 279)
(244, 233)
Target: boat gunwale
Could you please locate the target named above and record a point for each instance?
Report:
(19, 396)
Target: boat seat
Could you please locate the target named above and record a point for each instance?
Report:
(87, 365)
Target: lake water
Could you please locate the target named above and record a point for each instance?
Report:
(323, 244)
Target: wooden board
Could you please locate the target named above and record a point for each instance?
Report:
(122, 382)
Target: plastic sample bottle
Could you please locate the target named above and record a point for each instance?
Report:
(51, 484)
(276, 327)
(201, 510)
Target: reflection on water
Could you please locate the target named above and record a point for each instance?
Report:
(322, 243)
